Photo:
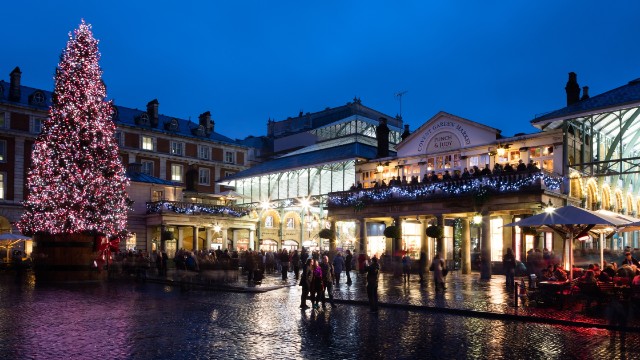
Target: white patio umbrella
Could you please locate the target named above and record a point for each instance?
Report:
(627, 227)
(570, 222)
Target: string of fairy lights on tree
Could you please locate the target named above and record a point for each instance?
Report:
(480, 187)
(76, 182)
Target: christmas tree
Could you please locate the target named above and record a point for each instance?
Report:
(76, 183)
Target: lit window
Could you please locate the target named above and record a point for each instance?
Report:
(204, 176)
(268, 221)
(36, 125)
(290, 223)
(204, 152)
(176, 173)
(147, 143)
(3, 186)
(3, 150)
(228, 157)
(177, 148)
(147, 167)
(496, 239)
(156, 195)
(3, 120)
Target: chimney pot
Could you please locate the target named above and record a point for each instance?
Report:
(14, 85)
(152, 111)
(585, 93)
(406, 132)
(572, 89)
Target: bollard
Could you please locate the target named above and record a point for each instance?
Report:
(515, 294)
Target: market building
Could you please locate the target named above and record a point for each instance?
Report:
(585, 155)
(313, 154)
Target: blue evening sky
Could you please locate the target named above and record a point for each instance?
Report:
(495, 62)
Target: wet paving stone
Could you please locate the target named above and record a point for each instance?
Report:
(128, 320)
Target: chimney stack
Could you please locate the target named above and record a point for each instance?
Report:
(406, 132)
(152, 111)
(14, 86)
(573, 89)
(585, 93)
(382, 134)
(206, 122)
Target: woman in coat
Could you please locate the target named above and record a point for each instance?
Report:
(437, 266)
(305, 282)
(317, 286)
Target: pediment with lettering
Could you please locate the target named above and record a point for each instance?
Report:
(445, 132)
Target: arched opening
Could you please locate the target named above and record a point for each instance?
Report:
(592, 195)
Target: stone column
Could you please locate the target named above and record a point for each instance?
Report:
(332, 242)
(195, 238)
(209, 236)
(363, 235)
(485, 247)
(252, 240)
(465, 247)
(424, 243)
(180, 243)
(397, 243)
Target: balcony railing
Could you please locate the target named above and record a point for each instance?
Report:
(477, 186)
(177, 207)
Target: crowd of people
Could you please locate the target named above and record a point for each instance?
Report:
(465, 174)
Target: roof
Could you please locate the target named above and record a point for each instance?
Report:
(126, 116)
(628, 94)
(305, 160)
(144, 178)
(308, 121)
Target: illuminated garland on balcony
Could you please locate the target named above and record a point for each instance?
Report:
(190, 209)
(479, 187)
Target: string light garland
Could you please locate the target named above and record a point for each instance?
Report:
(480, 187)
(188, 209)
(76, 182)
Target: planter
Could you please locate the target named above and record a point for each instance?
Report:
(66, 258)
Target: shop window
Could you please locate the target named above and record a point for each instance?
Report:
(156, 195)
(496, 239)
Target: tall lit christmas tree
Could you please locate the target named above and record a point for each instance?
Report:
(76, 182)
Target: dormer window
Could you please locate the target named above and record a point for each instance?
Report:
(171, 125)
(37, 98)
(142, 119)
(199, 131)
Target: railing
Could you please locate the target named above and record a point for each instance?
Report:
(159, 207)
(477, 186)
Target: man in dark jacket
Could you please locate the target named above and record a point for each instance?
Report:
(509, 267)
(295, 262)
(347, 266)
(338, 266)
(373, 271)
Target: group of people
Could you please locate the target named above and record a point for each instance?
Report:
(474, 172)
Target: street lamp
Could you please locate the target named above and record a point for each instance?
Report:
(549, 208)
(477, 219)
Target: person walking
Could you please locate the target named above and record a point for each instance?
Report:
(509, 267)
(328, 277)
(305, 283)
(284, 263)
(373, 272)
(295, 262)
(317, 286)
(406, 268)
(437, 266)
(338, 266)
(348, 261)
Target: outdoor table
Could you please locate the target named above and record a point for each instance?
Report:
(552, 291)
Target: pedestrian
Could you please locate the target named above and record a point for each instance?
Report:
(295, 262)
(317, 286)
(328, 277)
(348, 266)
(338, 266)
(284, 263)
(509, 267)
(373, 272)
(406, 267)
(159, 263)
(437, 266)
(250, 265)
(422, 266)
(305, 283)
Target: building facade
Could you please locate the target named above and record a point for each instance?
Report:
(176, 165)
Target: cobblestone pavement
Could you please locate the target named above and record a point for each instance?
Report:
(144, 320)
(465, 295)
